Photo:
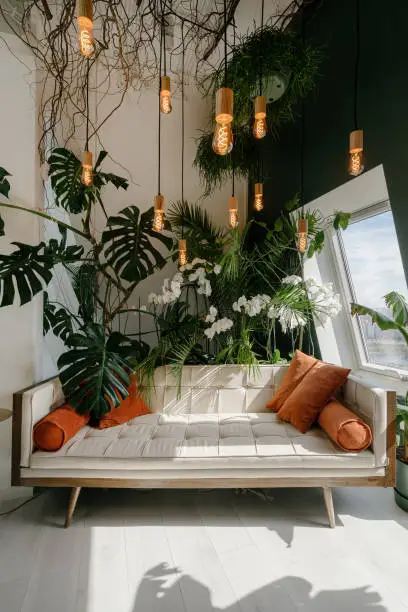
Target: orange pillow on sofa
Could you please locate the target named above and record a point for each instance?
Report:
(129, 408)
(345, 427)
(57, 427)
(304, 405)
(299, 367)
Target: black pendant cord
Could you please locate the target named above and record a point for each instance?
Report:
(164, 43)
(159, 130)
(182, 122)
(357, 65)
(302, 132)
(261, 59)
(232, 156)
(225, 42)
(87, 106)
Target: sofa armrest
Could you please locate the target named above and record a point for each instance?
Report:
(29, 406)
(377, 407)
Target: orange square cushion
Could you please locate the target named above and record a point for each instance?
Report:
(57, 427)
(304, 405)
(299, 367)
(345, 427)
(129, 408)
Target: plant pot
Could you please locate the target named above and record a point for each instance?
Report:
(401, 489)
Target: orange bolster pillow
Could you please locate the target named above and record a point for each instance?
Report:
(345, 427)
(57, 427)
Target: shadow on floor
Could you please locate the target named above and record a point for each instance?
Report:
(162, 586)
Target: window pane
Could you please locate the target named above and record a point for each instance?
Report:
(375, 267)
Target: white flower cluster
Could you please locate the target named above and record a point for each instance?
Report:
(327, 303)
(218, 327)
(292, 280)
(253, 306)
(288, 318)
(171, 289)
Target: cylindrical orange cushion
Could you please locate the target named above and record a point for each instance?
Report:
(299, 367)
(57, 427)
(344, 427)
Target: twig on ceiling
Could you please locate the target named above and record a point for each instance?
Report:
(220, 34)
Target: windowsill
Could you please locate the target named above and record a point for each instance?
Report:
(394, 380)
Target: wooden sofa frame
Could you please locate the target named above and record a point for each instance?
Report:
(326, 483)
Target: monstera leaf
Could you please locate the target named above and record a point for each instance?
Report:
(65, 173)
(28, 269)
(85, 285)
(94, 370)
(58, 320)
(129, 244)
(384, 323)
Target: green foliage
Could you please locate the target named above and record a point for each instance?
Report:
(398, 304)
(65, 171)
(341, 220)
(129, 247)
(204, 239)
(384, 323)
(85, 285)
(94, 370)
(278, 53)
(59, 320)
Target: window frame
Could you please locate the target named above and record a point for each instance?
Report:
(348, 295)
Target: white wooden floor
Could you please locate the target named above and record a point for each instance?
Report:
(210, 551)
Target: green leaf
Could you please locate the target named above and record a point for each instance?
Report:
(341, 220)
(2, 232)
(4, 184)
(85, 286)
(383, 322)
(59, 320)
(129, 244)
(66, 181)
(93, 370)
(278, 227)
(399, 307)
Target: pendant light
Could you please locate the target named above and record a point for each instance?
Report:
(85, 27)
(356, 156)
(87, 172)
(258, 197)
(224, 107)
(233, 204)
(165, 93)
(158, 221)
(260, 127)
(182, 259)
(302, 223)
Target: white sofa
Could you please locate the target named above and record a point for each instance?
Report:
(213, 431)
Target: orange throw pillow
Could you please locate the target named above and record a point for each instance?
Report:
(345, 427)
(129, 408)
(57, 427)
(300, 365)
(311, 395)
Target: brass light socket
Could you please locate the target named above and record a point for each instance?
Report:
(87, 158)
(302, 226)
(260, 107)
(258, 189)
(165, 83)
(224, 105)
(182, 244)
(85, 9)
(356, 141)
(159, 203)
(233, 203)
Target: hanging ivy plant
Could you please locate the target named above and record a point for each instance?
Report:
(283, 60)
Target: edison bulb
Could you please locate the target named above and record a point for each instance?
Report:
(223, 139)
(258, 202)
(356, 163)
(165, 102)
(86, 39)
(233, 218)
(158, 223)
(260, 127)
(182, 259)
(302, 243)
(87, 174)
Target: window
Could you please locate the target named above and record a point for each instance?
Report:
(373, 268)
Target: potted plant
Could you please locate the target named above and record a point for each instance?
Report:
(399, 321)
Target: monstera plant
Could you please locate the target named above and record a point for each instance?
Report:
(99, 358)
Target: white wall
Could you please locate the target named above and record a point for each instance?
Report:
(20, 328)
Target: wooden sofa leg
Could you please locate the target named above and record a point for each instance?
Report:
(328, 500)
(73, 498)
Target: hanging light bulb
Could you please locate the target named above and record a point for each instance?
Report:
(158, 223)
(356, 161)
(260, 126)
(258, 199)
(233, 212)
(85, 27)
(87, 174)
(165, 96)
(224, 104)
(302, 229)
(182, 259)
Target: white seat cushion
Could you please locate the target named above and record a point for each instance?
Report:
(213, 439)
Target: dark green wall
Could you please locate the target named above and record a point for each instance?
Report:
(383, 109)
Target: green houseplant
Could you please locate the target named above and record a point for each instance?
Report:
(399, 322)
